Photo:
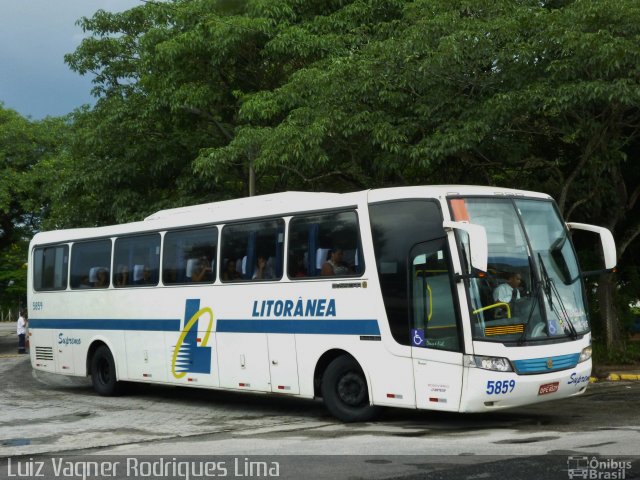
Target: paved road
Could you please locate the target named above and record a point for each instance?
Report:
(45, 414)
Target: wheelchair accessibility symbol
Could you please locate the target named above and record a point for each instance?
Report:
(417, 337)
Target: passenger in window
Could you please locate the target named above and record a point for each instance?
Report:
(261, 271)
(335, 266)
(102, 279)
(84, 282)
(122, 276)
(170, 275)
(141, 275)
(230, 273)
(202, 272)
(146, 276)
(299, 267)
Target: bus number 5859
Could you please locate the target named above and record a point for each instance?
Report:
(499, 387)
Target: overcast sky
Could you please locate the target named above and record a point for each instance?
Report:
(34, 37)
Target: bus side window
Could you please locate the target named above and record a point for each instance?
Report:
(90, 264)
(252, 251)
(325, 244)
(189, 256)
(50, 268)
(139, 256)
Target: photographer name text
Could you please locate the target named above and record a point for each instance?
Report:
(132, 467)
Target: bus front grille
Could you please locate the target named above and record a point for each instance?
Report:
(546, 364)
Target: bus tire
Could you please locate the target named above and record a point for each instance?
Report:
(103, 373)
(345, 391)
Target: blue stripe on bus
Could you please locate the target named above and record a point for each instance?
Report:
(328, 327)
(104, 324)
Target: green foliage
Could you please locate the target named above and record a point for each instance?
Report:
(628, 353)
(417, 92)
(26, 148)
(13, 276)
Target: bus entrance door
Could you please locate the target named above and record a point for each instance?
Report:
(435, 336)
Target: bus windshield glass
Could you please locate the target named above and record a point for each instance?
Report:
(533, 290)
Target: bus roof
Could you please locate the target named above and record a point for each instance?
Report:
(285, 203)
(270, 204)
(443, 191)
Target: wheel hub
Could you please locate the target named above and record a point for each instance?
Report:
(351, 389)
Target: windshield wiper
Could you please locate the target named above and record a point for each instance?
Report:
(546, 281)
(551, 290)
(523, 337)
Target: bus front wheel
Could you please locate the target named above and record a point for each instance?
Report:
(345, 392)
(103, 373)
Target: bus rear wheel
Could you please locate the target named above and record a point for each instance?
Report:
(345, 391)
(103, 373)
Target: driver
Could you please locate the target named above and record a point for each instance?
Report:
(508, 292)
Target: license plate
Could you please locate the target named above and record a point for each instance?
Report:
(548, 388)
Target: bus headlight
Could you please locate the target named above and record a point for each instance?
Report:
(585, 354)
(497, 364)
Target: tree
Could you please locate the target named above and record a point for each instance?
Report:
(13, 276)
(26, 147)
(522, 94)
(338, 95)
(130, 154)
(166, 77)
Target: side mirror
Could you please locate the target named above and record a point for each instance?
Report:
(477, 242)
(606, 240)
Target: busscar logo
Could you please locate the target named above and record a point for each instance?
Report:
(191, 353)
(597, 469)
(576, 379)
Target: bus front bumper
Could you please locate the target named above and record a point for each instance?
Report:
(486, 390)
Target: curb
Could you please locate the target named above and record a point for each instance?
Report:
(633, 376)
(616, 377)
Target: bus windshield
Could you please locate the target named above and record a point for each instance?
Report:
(533, 290)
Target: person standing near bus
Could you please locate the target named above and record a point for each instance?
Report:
(21, 330)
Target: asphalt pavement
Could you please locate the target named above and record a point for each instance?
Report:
(47, 415)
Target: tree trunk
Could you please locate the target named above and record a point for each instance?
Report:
(608, 312)
(252, 179)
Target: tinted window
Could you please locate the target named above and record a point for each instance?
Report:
(50, 267)
(189, 256)
(252, 251)
(91, 264)
(136, 261)
(325, 245)
(397, 227)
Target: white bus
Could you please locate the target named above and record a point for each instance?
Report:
(391, 297)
